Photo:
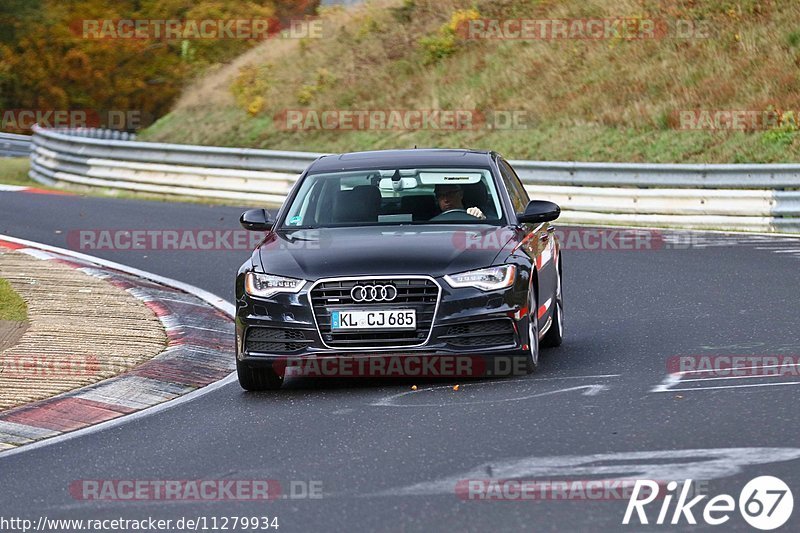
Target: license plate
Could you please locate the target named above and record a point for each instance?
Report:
(379, 319)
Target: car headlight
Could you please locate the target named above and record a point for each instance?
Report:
(485, 279)
(266, 285)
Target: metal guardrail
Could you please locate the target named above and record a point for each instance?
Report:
(203, 171)
(99, 133)
(659, 175)
(13, 145)
(732, 197)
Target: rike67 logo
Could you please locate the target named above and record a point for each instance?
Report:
(765, 503)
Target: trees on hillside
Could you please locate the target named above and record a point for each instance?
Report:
(48, 59)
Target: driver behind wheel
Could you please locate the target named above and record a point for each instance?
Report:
(451, 197)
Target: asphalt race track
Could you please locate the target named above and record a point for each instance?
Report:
(389, 459)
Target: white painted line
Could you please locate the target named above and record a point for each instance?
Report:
(215, 301)
(706, 464)
(12, 188)
(733, 377)
(534, 380)
(687, 372)
(733, 386)
(570, 377)
(594, 390)
(674, 379)
(591, 390)
(596, 376)
(666, 385)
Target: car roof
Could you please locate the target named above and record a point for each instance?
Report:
(402, 159)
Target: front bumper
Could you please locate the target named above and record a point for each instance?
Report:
(467, 321)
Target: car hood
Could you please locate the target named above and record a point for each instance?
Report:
(363, 251)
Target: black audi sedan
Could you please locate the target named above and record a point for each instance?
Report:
(404, 253)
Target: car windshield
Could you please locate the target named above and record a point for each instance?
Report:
(396, 196)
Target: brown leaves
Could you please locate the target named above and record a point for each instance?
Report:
(51, 64)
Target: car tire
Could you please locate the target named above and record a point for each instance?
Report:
(258, 379)
(555, 335)
(532, 360)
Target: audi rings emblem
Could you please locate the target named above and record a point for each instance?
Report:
(373, 293)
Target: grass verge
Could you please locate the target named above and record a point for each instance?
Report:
(609, 99)
(14, 171)
(12, 306)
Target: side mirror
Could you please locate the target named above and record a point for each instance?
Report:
(539, 211)
(255, 220)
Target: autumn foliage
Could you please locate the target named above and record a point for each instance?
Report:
(46, 63)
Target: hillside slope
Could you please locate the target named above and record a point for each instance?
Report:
(653, 98)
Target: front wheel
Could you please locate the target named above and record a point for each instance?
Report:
(258, 379)
(532, 361)
(555, 335)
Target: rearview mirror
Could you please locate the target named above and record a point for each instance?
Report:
(255, 220)
(539, 211)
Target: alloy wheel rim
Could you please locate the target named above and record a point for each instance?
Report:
(560, 311)
(533, 340)
(560, 308)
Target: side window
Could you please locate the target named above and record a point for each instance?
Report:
(515, 181)
(517, 193)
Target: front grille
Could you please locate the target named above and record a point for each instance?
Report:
(498, 332)
(275, 340)
(420, 294)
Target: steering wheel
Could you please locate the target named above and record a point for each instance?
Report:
(453, 214)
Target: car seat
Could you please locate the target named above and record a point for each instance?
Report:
(360, 204)
(421, 206)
